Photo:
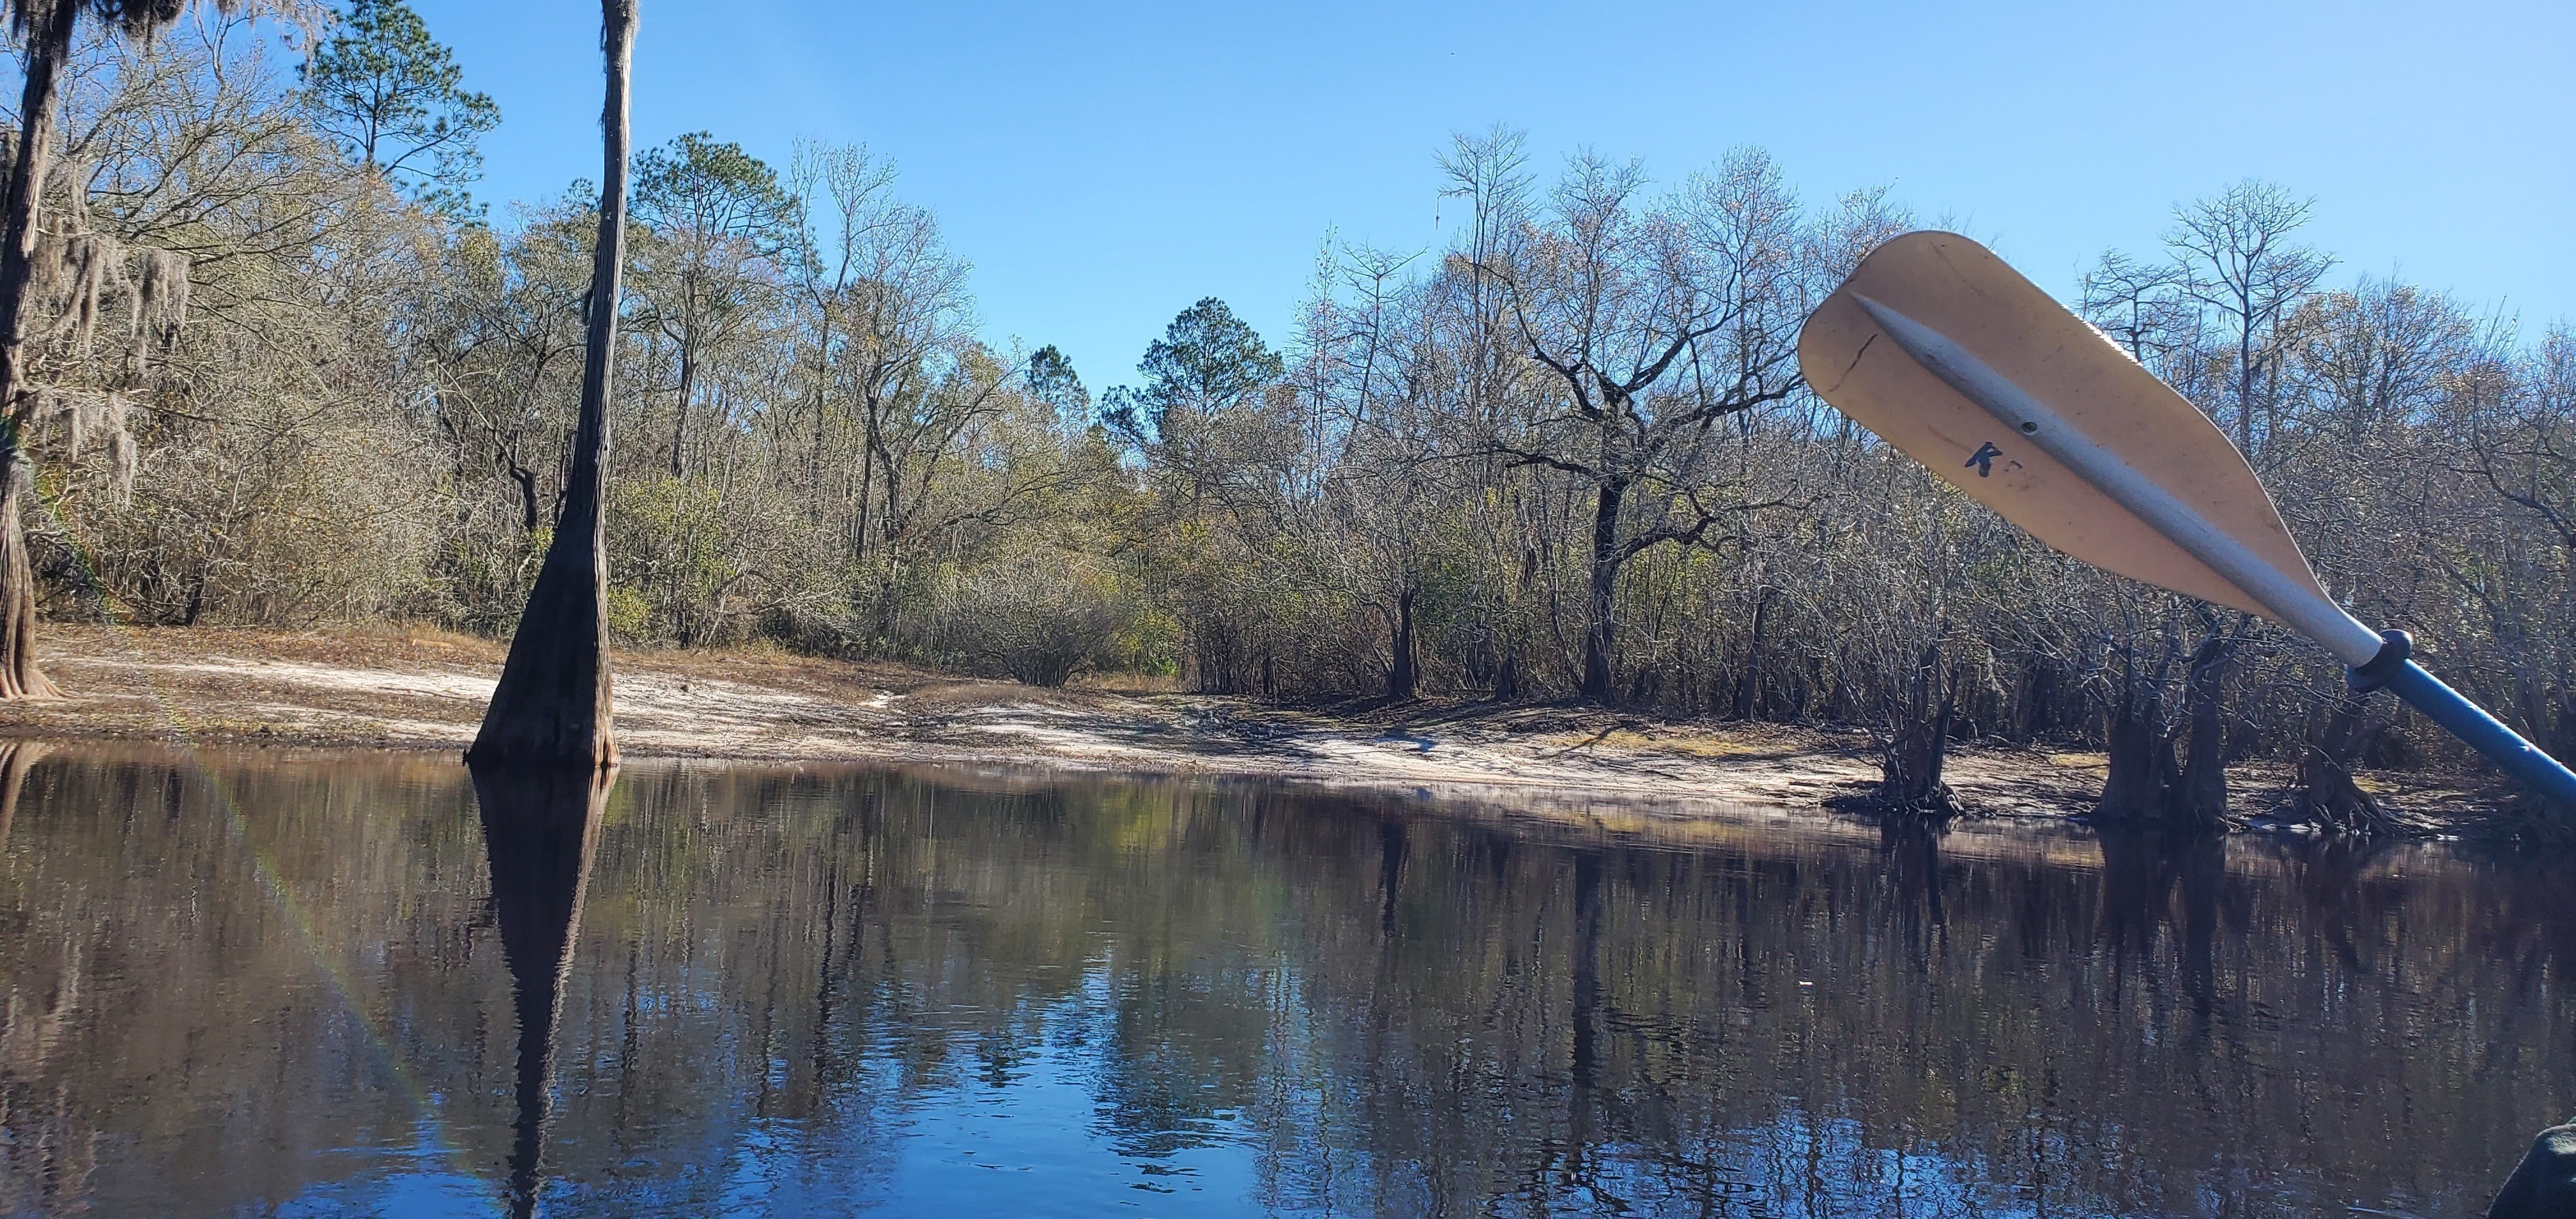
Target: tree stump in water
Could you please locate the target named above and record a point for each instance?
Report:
(1910, 763)
(2326, 795)
(2141, 769)
(1910, 770)
(2198, 798)
(2148, 784)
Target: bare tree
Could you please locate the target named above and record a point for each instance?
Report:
(2235, 256)
(1656, 321)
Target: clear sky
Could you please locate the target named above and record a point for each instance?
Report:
(1102, 166)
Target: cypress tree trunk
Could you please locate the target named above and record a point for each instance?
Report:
(1910, 766)
(552, 705)
(2326, 793)
(2199, 799)
(2141, 760)
(1401, 680)
(19, 676)
(49, 38)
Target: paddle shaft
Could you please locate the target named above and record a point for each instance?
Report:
(2469, 722)
(2289, 600)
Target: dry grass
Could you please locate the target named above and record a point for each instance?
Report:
(1127, 683)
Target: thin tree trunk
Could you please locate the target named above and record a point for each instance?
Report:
(822, 395)
(48, 39)
(1402, 680)
(680, 416)
(1748, 686)
(552, 705)
(867, 490)
(1600, 630)
(2245, 377)
(527, 480)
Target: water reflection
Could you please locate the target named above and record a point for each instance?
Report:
(15, 758)
(368, 985)
(538, 829)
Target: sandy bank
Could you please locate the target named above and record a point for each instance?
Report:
(425, 690)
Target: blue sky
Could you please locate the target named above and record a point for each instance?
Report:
(1102, 166)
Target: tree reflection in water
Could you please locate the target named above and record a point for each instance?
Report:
(539, 825)
(328, 985)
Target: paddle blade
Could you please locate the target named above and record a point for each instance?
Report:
(1961, 290)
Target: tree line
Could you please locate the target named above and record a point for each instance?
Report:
(280, 368)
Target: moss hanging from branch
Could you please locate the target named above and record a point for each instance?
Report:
(77, 275)
(93, 266)
(160, 305)
(121, 457)
(104, 416)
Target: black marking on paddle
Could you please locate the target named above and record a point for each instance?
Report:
(1984, 459)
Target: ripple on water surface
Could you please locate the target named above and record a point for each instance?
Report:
(368, 984)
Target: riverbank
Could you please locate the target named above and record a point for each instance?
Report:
(393, 688)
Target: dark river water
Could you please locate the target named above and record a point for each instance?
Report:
(351, 984)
